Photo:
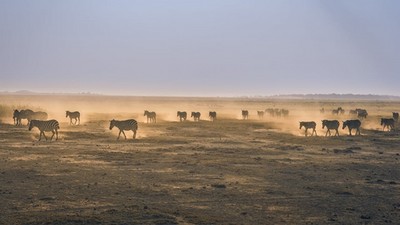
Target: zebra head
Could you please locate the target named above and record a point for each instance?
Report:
(193, 114)
(67, 113)
(323, 124)
(15, 114)
(178, 113)
(32, 124)
(301, 125)
(112, 124)
(344, 124)
(145, 113)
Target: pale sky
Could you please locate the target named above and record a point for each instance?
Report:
(200, 48)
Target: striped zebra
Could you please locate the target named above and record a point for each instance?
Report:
(73, 115)
(338, 111)
(330, 125)
(23, 114)
(245, 114)
(362, 113)
(389, 123)
(396, 116)
(45, 125)
(285, 112)
(151, 116)
(309, 125)
(196, 116)
(260, 114)
(270, 111)
(124, 125)
(212, 115)
(353, 112)
(182, 115)
(352, 124)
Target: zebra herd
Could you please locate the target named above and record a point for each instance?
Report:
(39, 120)
(387, 123)
(331, 125)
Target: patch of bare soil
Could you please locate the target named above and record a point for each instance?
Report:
(225, 172)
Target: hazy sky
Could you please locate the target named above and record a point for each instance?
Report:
(203, 47)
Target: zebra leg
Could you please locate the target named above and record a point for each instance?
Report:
(314, 131)
(124, 134)
(326, 134)
(337, 133)
(350, 131)
(119, 134)
(306, 134)
(79, 120)
(44, 135)
(134, 134)
(51, 138)
(56, 134)
(358, 131)
(40, 136)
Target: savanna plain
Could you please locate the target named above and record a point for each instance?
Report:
(230, 171)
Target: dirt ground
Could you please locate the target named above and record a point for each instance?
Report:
(230, 171)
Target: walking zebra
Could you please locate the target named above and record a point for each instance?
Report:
(338, 111)
(45, 125)
(260, 114)
(362, 113)
(309, 125)
(330, 125)
(353, 112)
(73, 115)
(352, 124)
(124, 125)
(212, 115)
(285, 112)
(151, 116)
(196, 116)
(23, 114)
(182, 115)
(245, 114)
(270, 111)
(389, 123)
(396, 116)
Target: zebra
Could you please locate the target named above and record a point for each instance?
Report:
(260, 114)
(309, 125)
(245, 114)
(338, 111)
(182, 115)
(151, 116)
(212, 115)
(270, 111)
(73, 115)
(124, 125)
(277, 112)
(285, 112)
(352, 124)
(362, 113)
(330, 125)
(389, 123)
(45, 125)
(353, 112)
(396, 116)
(23, 114)
(196, 116)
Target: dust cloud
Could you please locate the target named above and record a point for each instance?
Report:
(106, 108)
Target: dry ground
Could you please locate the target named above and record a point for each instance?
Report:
(226, 172)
